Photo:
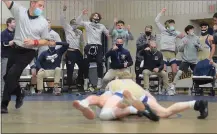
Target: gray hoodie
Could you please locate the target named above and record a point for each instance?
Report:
(190, 46)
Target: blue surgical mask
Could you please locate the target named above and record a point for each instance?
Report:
(37, 12)
(172, 28)
(120, 30)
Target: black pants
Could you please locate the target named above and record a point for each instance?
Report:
(185, 65)
(138, 71)
(98, 58)
(73, 57)
(17, 62)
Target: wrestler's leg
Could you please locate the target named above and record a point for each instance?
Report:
(83, 105)
(110, 111)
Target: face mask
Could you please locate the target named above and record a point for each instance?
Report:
(172, 28)
(153, 50)
(120, 30)
(37, 12)
(204, 32)
(148, 33)
(120, 46)
(95, 20)
(74, 27)
(52, 49)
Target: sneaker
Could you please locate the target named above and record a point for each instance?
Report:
(32, 90)
(57, 91)
(202, 107)
(86, 81)
(99, 83)
(19, 100)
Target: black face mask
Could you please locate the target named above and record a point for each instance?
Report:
(95, 20)
(204, 32)
(120, 46)
(147, 33)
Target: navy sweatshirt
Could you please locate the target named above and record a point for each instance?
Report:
(119, 57)
(50, 60)
(152, 61)
(6, 36)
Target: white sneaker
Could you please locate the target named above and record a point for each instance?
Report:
(57, 91)
(171, 91)
(99, 83)
(86, 82)
(32, 90)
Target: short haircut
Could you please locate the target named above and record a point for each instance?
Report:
(204, 24)
(91, 16)
(34, 1)
(169, 21)
(9, 20)
(119, 38)
(148, 26)
(189, 27)
(120, 22)
(73, 22)
(215, 15)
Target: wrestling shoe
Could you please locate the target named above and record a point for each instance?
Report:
(202, 107)
(84, 108)
(151, 115)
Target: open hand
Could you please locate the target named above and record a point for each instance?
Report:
(85, 12)
(163, 10)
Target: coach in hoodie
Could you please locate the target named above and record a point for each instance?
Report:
(119, 31)
(48, 65)
(190, 47)
(168, 41)
(153, 64)
(120, 61)
(142, 43)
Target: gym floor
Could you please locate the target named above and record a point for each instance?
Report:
(54, 114)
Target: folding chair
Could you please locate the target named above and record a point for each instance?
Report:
(200, 79)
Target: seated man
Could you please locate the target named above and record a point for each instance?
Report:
(48, 65)
(154, 64)
(120, 61)
(190, 48)
(132, 92)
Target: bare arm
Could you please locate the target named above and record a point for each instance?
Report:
(7, 3)
(212, 47)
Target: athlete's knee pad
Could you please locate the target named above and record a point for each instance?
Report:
(107, 114)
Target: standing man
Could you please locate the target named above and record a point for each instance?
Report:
(93, 49)
(206, 40)
(31, 32)
(141, 44)
(190, 47)
(215, 28)
(74, 37)
(7, 37)
(119, 31)
(168, 41)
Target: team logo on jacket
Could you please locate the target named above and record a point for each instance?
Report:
(52, 58)
(156, 58)
(123, 57)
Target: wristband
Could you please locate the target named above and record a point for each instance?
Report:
(36, 42)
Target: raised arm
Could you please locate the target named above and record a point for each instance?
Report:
(112, 29)
(129, 36)
(157, 20)
(63, 21)
(79, 19)
(8, 3)
(105, 31)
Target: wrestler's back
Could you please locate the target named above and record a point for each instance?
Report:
(126, 84)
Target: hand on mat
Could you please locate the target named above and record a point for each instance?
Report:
(163, 10)
(147, 49)
(115, 47)
(64, 8)
(28, 42)
(85, 12)
(156, 70)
